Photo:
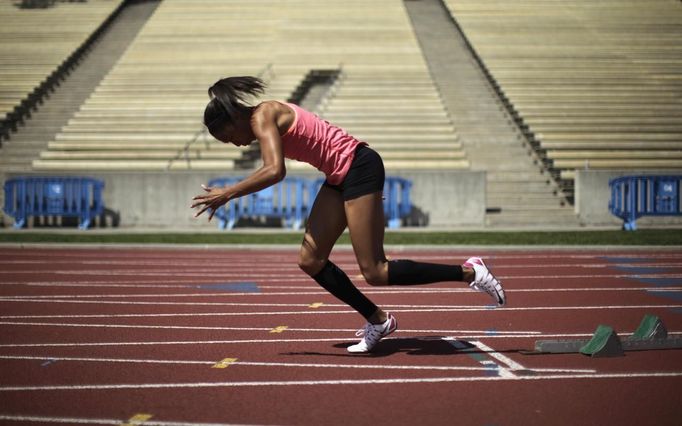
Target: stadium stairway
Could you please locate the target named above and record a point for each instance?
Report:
(25, 145)
(520, 193)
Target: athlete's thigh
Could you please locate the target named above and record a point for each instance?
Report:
(365, 216)
(326, 223)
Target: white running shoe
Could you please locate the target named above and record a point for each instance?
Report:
(485, 280)
(373, 333)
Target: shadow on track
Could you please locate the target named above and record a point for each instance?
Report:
(428, 345)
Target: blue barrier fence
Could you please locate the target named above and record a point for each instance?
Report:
(397, 202)
(635, 196)
(287, 200)
(292, 199)
(53, 196)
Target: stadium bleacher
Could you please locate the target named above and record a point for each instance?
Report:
(36, 45)
(144, 113)
(596, 85)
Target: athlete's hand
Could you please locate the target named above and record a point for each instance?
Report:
(213, 199)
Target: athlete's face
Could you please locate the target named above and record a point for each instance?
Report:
(238, 133)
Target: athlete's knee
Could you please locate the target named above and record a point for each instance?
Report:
(309, 261)
(375, 275)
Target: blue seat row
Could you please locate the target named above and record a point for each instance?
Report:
(635, 196)
(292, 198)
(79, 197)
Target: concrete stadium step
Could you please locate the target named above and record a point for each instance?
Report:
(128, 145)
(597, 138)
(411, 138)
(517, 177)
(633, 164)
(423, 155)
(614, 145)
(406, 121)
(538, 218)
(506, 187)
(28, 144)
(604, 155)
(401, 128)
(513, 202)
(128, 165)
(142, 137)
(95, 124)
(139, 155)
(398, 165)
(507, 166)
(417, 147)
(395, 115)
(592, 128)
(168, 115)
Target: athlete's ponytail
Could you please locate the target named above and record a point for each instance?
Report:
(228, 100)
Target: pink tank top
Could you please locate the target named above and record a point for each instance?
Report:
(326, 147)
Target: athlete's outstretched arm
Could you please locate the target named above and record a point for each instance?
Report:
(263, 124)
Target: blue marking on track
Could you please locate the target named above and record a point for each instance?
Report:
(238, 287)
(626, 259)
(660, 282)
(674, 295)
(642, 270)
(48, 362)
(639, 274)
(616, 259)
(492, 371)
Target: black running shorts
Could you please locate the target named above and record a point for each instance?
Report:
(365, 176)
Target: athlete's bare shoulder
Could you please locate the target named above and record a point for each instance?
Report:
(276, 111)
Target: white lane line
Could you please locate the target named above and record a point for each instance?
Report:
(186, 314)
(486, 335)
(279, 364)
(180, 342)
(421, 308)
(236, 256)
(264, 341)
(636, 375)
(111, 302)
(291, 265)
(513, 365)
(247, 266)
(129, 326)
(142, 296)
(207, 286)
(588, 276)
(159, 273)
(91, 421)
(302, 277)
(488, 364)
(308, 330)
(320, 292)
(344, 254)
(159, 343)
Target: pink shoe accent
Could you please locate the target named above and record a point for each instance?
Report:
(485, 281)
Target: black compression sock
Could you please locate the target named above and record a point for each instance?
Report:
(408, 272)
(335, 281)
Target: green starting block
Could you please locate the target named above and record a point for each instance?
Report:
(650, 335)
(604, 343)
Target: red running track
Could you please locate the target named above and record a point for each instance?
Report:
(226, 336)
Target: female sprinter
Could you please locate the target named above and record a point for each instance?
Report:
(350, 197)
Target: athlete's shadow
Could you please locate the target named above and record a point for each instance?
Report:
(427, 345)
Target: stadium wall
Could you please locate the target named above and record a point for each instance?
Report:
(162, 199)
(592, 196)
